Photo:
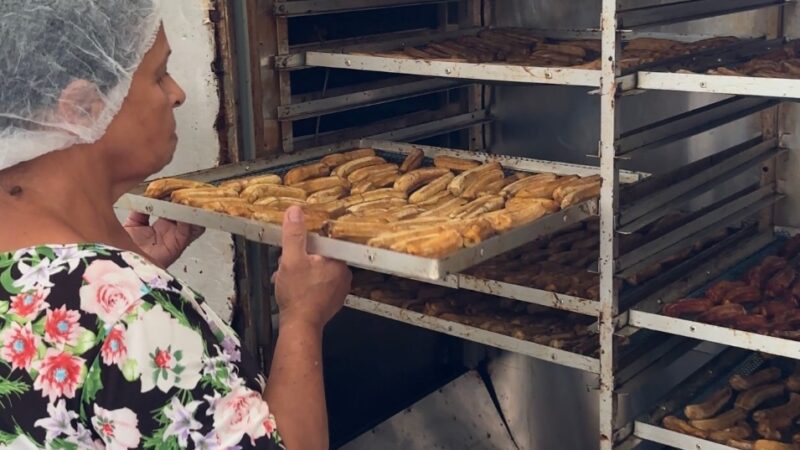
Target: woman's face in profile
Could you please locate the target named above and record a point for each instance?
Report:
(141, 139)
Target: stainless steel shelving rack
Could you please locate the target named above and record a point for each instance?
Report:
(627, 313)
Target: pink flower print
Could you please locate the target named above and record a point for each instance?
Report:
(119, 428)
(61, 326)
(19, 345)
(28, 305)
(111, 291)
(241, 412)
(59, 374)
(114, 350)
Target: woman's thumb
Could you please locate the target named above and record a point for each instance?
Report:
(294, 235)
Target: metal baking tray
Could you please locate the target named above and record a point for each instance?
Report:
(647, 314)
(710, 378)
(363, 256)
(489, 338)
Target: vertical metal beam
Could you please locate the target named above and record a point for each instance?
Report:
(608, 207)
(471, 16)
(284, 81)
(267, 94)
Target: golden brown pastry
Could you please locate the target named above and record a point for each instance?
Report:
(531, 181)
(337, 159)
(507, 219)
(720, 422)
(327, 195)
(681, 426)
(482, 182)
(320, 184)
(180, 196)
(454, 163)
(371, 171)
(349, 167)
(240, 183)
(411, 181)
(303, 173)
(752, 398)
(432, 189)
(465, 179)
(413, 161)
(258, 191)
(478, 207)
(164, 187)
(743, 383)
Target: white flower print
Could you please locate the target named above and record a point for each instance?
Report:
(36, 276)
(182, 422)
(208, 442)
(241, 412)
(71, 256)
(20, 443)
(231, 349)
(172, 357)
(59, 422)
(82, 438)
(212, 402)
(111, 291)
(148, 272)
(119, 428)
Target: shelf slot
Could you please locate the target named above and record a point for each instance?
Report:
(295, 8)
(684, 11)
(696, 178)
(690, 123)
(478, 335)
(723, 213)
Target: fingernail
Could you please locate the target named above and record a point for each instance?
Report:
(295, 215)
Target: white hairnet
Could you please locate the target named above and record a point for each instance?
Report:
(91, 46)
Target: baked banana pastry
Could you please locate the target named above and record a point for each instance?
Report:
(314, 220)
(303, 173)
(465, 179)
(432, 190)
(240, 184)
(375, 181)
(370, 171)
(327, 195)
(258, 191)
(413, 161)
(411, 181)
(182, 195)
(166, 186)
(482, 183)
(337, 159)
(454, 163)
(320, 184)
(528, 182)
(545, 189)
(349, 167)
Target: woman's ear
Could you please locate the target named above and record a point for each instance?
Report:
(80, 103)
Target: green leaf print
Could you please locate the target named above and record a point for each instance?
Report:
(86, 341)
(169, 307)
(7, 438)
(61, 444)
(8, 282)
(38, 326)
(46, 252)
(9, 388)
(4, 304)
(92, 385)
(157, 440)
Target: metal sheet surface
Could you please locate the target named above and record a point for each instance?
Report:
(459, 416)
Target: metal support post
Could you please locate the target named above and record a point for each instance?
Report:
(608, 205)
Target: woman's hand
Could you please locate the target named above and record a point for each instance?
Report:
(164, 241)
(309, 288)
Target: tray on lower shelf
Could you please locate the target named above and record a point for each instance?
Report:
(727, 376)
(761, 68)
(519, 327)
(765, 324)
(358, 254)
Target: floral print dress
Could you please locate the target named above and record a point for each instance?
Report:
(100, 349)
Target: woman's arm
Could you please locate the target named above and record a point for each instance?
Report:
(310, 290)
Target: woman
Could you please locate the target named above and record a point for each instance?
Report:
(99, 346)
